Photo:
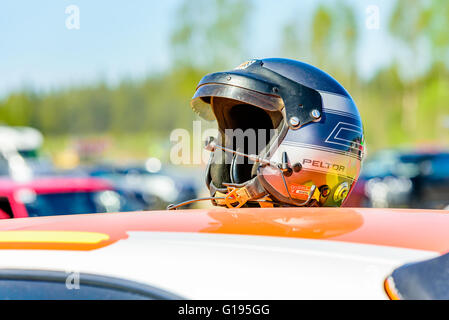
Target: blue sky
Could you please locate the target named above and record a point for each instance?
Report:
(120, 39)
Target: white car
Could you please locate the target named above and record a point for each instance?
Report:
(281, 253)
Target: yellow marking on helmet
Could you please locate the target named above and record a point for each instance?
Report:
(52, 236)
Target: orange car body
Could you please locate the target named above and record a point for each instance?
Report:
(226, 253)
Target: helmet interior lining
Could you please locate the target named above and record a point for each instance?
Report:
(233, 114)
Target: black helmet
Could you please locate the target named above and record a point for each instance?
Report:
(289, 134)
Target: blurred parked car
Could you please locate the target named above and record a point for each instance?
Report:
(20, 154)
(61, 196)
(157, 189)
(415, 179)
(26, 140)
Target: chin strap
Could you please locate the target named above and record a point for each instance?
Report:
(227, 200)
(234, 198)
(237, 197)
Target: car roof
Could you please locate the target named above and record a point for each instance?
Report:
(403, 228)
(55, 185)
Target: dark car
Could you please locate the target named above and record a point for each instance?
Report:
(156, 189)
(414, 179)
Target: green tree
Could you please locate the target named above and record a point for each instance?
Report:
(210, 33)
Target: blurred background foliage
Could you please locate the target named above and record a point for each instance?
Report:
(402, 104)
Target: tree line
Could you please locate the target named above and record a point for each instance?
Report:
(399, 104)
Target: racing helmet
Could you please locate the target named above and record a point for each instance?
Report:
(288, 135)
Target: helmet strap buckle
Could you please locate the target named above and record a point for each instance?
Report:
(236, 195)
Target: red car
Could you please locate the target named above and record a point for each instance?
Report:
(58, 196)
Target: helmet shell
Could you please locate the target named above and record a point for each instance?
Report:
(329, 151)
(321, 135)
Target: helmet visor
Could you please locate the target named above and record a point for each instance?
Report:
(201, 100)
